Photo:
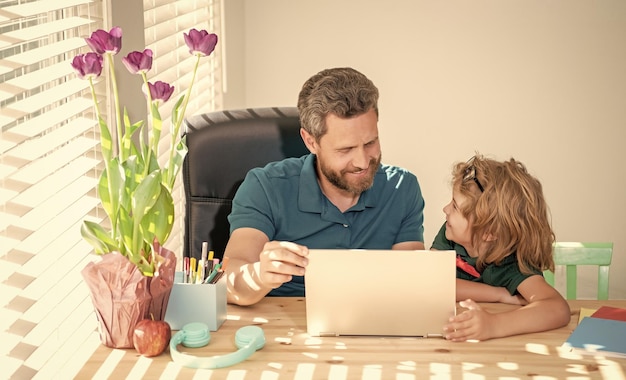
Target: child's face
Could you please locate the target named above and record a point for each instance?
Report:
(457, 226)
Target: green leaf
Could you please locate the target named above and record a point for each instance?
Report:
(177, 162)
(133, 175)
(128, 146)
(132, 246)
(98, 237)
(146, 194)
(154, 164)
(132, 128)
(144, 266)
(110, 188)
(134, 151)
(159, 220)
(106, 142)
(157, 126)
(176, 113)
(143, 199)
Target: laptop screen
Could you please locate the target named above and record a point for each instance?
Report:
(379, 292)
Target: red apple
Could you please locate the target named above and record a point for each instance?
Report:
(150, 337)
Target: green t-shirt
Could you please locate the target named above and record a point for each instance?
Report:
(507, 274)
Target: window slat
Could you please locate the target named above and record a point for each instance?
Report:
(41, 77)
(30, 57)
(38, 193)
(43, 122)
(39, 169)
(51, 96)
(42, 30)
(15, 12)
(35, 148)
(48, 210)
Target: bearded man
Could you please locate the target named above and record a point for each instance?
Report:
(339, 195)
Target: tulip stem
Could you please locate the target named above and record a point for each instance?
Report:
(118, 118)
(105, 148)
(152, 143)
(94, 98)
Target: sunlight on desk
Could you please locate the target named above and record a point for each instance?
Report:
(407, 366)
(539, 349)
(469, 367)
(372, 372)
(313, 342)
(140, 368)
(612, 369)
(290, 353)
(259, 320)
(338, 372)
(171, 371)
(508, 366)
(281, 340)
(275, 365)
(440, 371)
(304, 371)
(310, 355)
(110, 364)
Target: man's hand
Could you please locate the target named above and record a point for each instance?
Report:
(280, 260)
(472, 324)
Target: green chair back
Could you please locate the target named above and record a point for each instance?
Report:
(572, 254)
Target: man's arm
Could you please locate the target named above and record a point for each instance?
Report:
(242, 274)
(257, 265)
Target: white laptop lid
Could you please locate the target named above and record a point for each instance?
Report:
(379, 292)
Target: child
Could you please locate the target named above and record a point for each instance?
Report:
(497, 222)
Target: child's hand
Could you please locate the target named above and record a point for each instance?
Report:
(472, 324)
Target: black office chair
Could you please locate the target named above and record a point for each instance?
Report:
(223, 147)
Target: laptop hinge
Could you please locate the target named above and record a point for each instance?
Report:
(328, 334)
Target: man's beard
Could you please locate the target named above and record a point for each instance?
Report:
(339, 180)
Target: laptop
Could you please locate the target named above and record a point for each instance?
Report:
(379, 292)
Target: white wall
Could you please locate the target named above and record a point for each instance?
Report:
(541, 81)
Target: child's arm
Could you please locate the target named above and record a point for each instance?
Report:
(481, 292)
(546, 310)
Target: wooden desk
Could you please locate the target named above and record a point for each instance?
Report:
(291, 354)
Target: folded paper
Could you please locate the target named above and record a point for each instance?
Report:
(122, 295)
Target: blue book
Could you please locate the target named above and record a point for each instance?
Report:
(597, 336)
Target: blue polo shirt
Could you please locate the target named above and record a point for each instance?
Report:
(285, 202)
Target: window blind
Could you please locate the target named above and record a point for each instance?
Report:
(50, 160)
(165, 22)
(47, 134)
(48, 164)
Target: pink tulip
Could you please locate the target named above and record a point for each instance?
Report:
(106, 42)
(160, 91)
(200, 42)
(88, 65)
(137, 62)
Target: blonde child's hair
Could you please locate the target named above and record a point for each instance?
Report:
(510, 208)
